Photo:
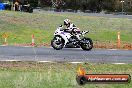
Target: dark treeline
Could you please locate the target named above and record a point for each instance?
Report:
(91, 5)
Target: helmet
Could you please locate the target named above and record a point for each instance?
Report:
(66, 21)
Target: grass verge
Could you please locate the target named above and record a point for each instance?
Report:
(20, 26)
(55, 75)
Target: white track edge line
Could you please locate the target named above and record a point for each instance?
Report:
(119, 63)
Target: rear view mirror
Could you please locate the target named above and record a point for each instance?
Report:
(60, 26)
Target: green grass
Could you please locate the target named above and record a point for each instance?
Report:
(20, 26)
(55, 75)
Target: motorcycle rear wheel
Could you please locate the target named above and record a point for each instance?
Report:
(57, 43)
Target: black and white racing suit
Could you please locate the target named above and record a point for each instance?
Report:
(74, 30)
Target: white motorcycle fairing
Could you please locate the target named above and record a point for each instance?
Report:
(65, 35)
(62, 38)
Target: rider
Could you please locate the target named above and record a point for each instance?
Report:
(72, 28)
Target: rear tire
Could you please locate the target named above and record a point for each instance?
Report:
(87, 44)
(57, 43)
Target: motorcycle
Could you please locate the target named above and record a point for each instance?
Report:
(62, 38)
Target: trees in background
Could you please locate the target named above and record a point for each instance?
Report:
(92, 5)
(96, 5)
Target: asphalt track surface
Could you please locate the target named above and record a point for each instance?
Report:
(10, 53)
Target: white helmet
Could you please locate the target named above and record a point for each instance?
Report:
(66, 21)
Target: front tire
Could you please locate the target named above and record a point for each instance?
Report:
(87, 44)
(57, 43)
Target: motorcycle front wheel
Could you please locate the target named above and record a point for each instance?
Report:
(57, 43)
(87, 44)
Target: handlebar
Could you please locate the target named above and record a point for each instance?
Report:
(84, 32)
(87, 32)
